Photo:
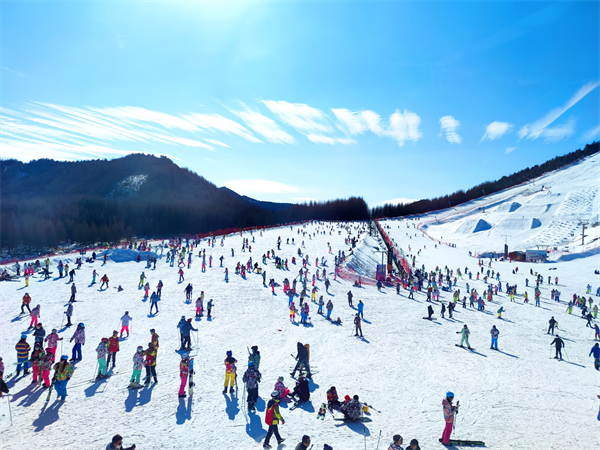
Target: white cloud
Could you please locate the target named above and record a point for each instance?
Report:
(216, 122)
(448, 126)
(592, 134)
(559, 132)
(523, 132)
(496, 130)
(243, 187)
(536, 129)
(397, 201)
(320, 139)
(402, 127)
(265, 126)
(510, 149)
(305, 119)
(215, 142)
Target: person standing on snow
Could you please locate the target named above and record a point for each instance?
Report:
(63, 371)
(138, 364)
(79, 338)
(450, 412)
(360, 308)
(69, 313)
(272, 418)
(255, 356)
(186, 340)
(397, 443)
(494, 332)
(329, 308)
(552, 323)
(230, 372)
(125, 319)
(559, 344)
(252, 378)
(150, 363)
(52, 340)
(302, 358)
(465, 336)
(113, 348)
(184, 371)
(357, 325)
(596, 352)
(101, 351)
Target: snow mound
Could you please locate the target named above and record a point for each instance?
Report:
(518, 224)
(508, 207)
(470, 226)
(120, 255)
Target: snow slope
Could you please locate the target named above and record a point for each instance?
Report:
(545, 212)
(518, 398)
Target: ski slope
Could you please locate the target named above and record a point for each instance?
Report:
(518, 398)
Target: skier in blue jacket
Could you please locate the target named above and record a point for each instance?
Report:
(186, 328)
(595, 351)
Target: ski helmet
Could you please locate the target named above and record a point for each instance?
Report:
(229, 353)
(64, 357)
(140, 348)
(82, 325)
(152, 330)
(450, 394)
(185, 355)
(275, 395)
(280, 379)
(23, 336)
(54, 330)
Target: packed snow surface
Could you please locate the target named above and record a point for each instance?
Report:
(516, 398)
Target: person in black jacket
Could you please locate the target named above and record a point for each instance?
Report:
(117, 444)
(559, 344)
(301, 391)
(302, 359)
(430, 311)
(552, 323)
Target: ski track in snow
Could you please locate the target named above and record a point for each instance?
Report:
(518, 398)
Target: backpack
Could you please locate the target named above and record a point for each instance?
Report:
(269, 415)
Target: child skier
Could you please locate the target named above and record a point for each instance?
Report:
(138, 363)
(113, 348)
(101, 351)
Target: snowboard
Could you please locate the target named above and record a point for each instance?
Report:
(466, 443)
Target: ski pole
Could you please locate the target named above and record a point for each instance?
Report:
(378, 440)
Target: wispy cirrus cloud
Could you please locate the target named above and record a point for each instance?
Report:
(321, 139)
(510, 149)
(592, 134)
(496, 130)
(305, 119)
(402, 126)
(244, 187)
(264, 126)
(449, 125)
(539, 128)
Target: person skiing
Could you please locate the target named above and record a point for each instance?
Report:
(150, 363)
(23, 349)
(450, 412)
(252, 378)
(396, 443)
(154, 338)
(159, 287)
(272, 418)
(69, 313)
(63, 371)
(329, 308)
(35, 315)
(302, 358)
(443, 311)
(595, 351)
(125, 319)
(209, 307)
(198, 307)
(500, 311)
(184, 371)
(101, 351)
(113, 348)
(142, 278)
(186, 340)
(154, 299)
(357, 325)
(230, 372)
(494, 332)
(73, 292)
(465, 336)
(52, 340)
(104, 280)
(79, 338)
(188, 291)
(350, 298)
(255, 356)
(117, 444)
(321, 304)
(552, 323)
(292, 312)
(138, 364)
(559, 344)
(360, 308)
(25, 303)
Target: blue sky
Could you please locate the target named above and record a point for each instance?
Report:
(289, 101)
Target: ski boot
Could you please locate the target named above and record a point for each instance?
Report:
(231, 389)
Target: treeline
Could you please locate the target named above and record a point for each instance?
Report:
(487, 188)
(45, 203)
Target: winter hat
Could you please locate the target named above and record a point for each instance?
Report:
(450, 394)
(183, 317)
(414, 442)
(39, 325)
(152, 330)
(140, 348)
(254, 347)
(23, 336)
(229, 353)
(82, 325)
(64, 357)
(347, 398)
(126, 312)
(280, 379)
(115, 332)
(54, 330)
(104, 339)
(397, 438)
